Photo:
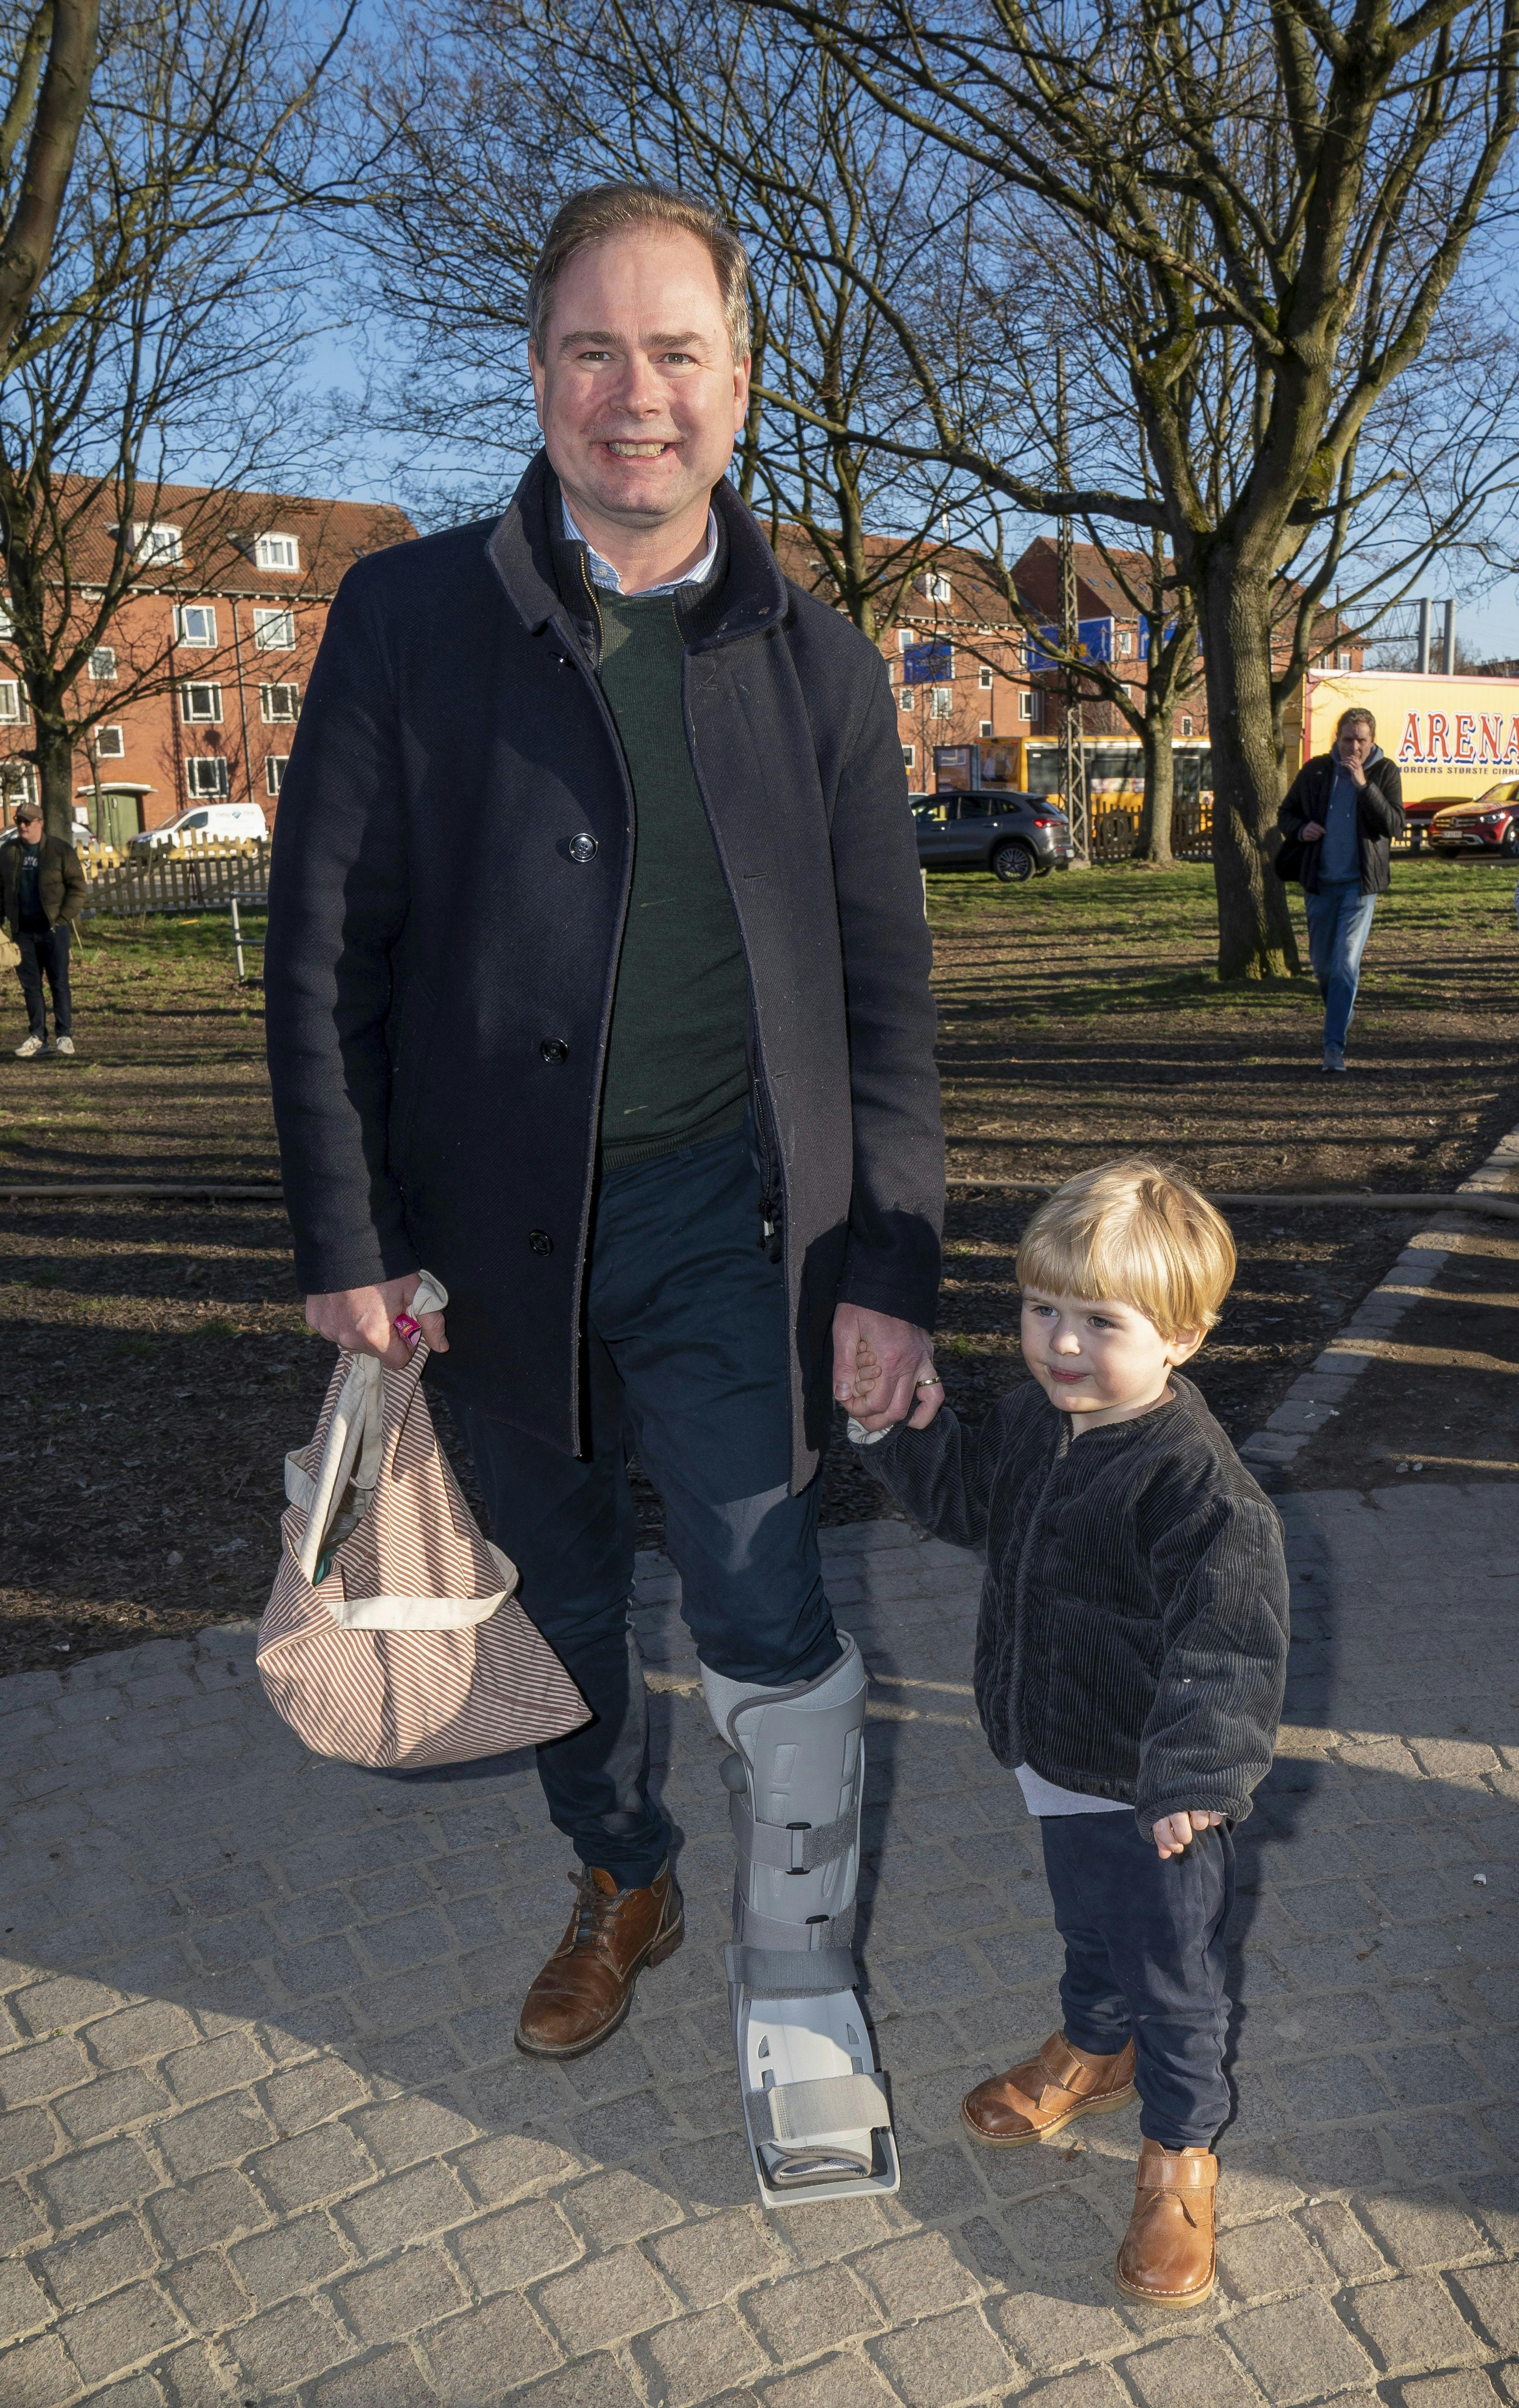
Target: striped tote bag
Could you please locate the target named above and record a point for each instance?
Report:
(392, 1636)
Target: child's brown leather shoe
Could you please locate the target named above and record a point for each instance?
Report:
(1168, 2254)
(1049, 2091)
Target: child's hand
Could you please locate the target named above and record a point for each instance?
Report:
(1173, 1832)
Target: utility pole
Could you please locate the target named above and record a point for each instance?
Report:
(1073, 753)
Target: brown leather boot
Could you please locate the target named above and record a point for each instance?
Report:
(586, 1989)
(1047, 2093)
(1168, 2254)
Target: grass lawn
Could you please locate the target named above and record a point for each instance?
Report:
(157, 1363)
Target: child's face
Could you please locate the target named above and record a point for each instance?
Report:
(1105, 1361)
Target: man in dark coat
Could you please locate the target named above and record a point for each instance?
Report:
(42, 892)
(598, 984)
(1346, 805)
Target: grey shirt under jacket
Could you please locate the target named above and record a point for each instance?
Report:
(1379, 817)
(1133, 1634)
(450, 881)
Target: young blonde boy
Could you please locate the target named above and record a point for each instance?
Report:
(1130, 1658)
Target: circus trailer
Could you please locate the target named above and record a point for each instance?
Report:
(1453, 737)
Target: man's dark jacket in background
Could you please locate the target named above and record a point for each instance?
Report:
(1379, 816)
(451, 875)
(61, 890)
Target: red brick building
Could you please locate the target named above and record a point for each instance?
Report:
(209, 653)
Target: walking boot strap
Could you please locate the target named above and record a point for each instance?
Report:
(1063, 2070)
(1165, 2170)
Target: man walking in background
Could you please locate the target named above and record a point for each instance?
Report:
(597, 985)
(42, 891)
(1346, 805)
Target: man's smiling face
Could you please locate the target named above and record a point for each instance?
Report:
(638, 393)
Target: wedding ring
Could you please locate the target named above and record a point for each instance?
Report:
(932, 1382)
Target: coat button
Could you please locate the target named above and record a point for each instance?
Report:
(554, 1049)
(540, 1242)
(584, 847)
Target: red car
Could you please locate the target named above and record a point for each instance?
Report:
(1490, 825)
(1420, 809)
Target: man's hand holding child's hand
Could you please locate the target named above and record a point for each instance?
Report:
(1173, 1832)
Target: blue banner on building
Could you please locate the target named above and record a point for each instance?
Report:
(1094, 642)
(927, 664)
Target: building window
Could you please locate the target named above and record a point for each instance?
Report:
(18, 783)
(943, 696)
(278, 551)
(12, 704)
(938, 588)
(208, 775)
(280, 702)
(156, 545)
(1341, 660)
(102, 665)
(195, 624)
(1025, 704)
(274, 771)
(1127, 693)
(987, 728)
(7, 624)
(909, 753)
(1187, 726)
(109, 744)
(1126, 642)
(904, 697)
(985, 679)
(274, 631)
(200, 704)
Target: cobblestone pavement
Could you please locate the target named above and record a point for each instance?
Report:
(265, 2137)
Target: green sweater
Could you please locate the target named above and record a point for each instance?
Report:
(677, 1070)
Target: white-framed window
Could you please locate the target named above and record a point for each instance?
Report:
(109, 744)
(940, 589)
(279, 703)
(200, 705)
(1125, 643)
(274, 772)
(274, 631)
(278, 551)
(1187, 726)
(12, 702)
(943, 699)
(909, 753)
(985, 679)
(904, 697)
(18, 783)
(1341, 660)
(206, 774)
(194, 623)
(1026, 703)
(102, 665)
(1127, 693)
(155, 544)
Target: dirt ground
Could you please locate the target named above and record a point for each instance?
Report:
(156, 1366)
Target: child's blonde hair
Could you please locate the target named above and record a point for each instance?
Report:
(1132, 1233)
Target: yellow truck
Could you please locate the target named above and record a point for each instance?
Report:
(1456, 741)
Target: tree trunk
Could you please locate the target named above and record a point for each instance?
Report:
(55, 776)
(1256, 939)
(1159, 790)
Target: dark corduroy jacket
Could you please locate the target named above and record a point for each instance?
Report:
(1133, 1633)
(450, 880)
(1379, 816)
(61, 890)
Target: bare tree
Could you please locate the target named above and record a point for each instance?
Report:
(168, 316)
(1275, 203)
(50, 91)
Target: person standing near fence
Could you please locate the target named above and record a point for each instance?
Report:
(42, 892)
(1346, 806)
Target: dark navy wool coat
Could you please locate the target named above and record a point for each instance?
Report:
(451, 874)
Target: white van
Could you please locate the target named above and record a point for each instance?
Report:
(227, 821)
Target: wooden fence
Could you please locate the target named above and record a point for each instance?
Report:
(194, 875)
(1114, 825)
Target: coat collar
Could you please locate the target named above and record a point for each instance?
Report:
(529, 554)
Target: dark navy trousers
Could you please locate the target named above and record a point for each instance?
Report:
(690, 1369)
(1144, 1959)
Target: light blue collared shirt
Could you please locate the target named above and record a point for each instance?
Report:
(606, 576)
